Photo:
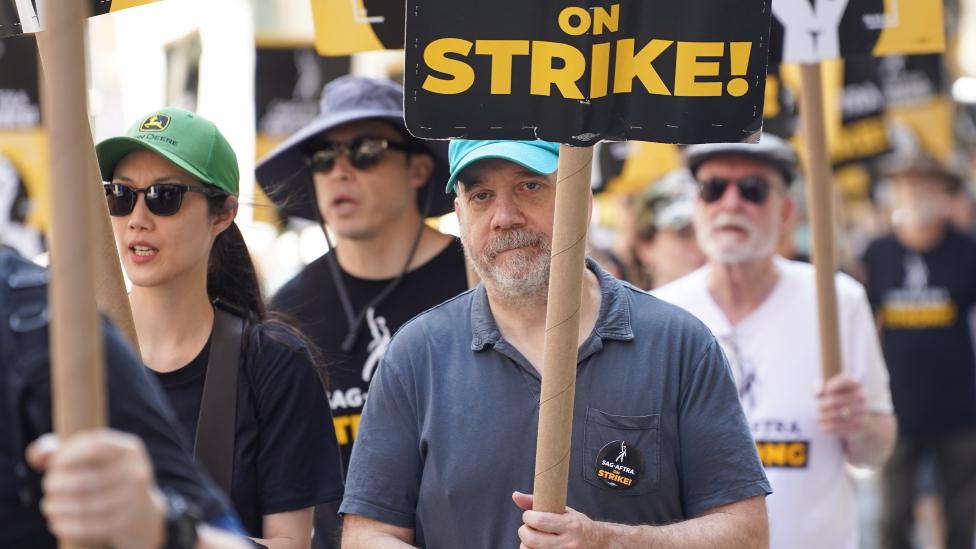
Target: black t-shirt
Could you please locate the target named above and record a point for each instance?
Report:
(283, 457)
(311, 298)
(135, 405)
(924, 301)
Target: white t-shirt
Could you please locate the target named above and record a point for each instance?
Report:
(775, 356)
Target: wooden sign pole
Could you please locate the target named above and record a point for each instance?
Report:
(110, 294)
(77, 353)
(562, 329)
(820, 210)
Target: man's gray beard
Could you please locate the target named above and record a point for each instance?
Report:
(525, 276)
(758, 245)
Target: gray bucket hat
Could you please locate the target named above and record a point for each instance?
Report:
(285, 177)
(770, 148)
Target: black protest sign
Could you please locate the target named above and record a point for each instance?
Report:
(18, 18)
(22, 137)
(344, 27)
(287, 84)
(815, 30)
(915, 87)
(20, 99)
(688, 72)
(854, 105)
(863, 133)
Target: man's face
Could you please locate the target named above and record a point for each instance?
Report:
(733, 229)
(919, 199)
(358, 204)
(506, 215)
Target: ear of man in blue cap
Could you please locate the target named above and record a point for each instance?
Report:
(356, 169)
(659, 434)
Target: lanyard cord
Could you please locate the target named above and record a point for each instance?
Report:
(353, 319)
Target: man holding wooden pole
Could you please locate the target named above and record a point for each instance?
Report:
(448, 435)
(763, 309)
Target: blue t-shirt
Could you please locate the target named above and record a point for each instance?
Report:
(449, 430)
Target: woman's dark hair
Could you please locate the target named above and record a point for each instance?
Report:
(232, 278)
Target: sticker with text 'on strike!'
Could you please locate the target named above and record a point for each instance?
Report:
(619, 465)
(669, 72)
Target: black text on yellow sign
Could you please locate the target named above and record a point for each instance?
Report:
(618, 65)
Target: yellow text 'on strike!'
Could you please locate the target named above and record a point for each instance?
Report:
(560, 65)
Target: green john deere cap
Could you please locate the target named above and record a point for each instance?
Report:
(184, 138)
(538, 156)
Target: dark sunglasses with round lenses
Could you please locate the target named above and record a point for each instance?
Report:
(161, 198)
(753, 188)
(363, 152)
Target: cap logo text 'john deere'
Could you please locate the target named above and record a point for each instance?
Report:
(155, 123)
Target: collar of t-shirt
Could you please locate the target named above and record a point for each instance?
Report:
(613, 320)
(188, 374)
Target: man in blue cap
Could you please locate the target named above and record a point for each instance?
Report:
(661, 452)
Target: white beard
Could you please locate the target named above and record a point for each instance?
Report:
(729, 249)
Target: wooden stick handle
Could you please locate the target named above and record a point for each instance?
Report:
(78, 376)
(562, 329)
(820, 209)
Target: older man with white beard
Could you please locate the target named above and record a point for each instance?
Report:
(661, 453)
(763, 309)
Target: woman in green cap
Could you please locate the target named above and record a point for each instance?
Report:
(243, 386)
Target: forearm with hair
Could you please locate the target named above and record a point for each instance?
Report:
(728, 526)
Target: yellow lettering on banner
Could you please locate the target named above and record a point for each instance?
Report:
(629, 66)
(918, 316)
(791, 454)
(462, 75)
(544, 75)
(690, 68)
(603, 19)
(771, 106)
(346, 428)
(599, 70)
(582, 17)
(501, 52)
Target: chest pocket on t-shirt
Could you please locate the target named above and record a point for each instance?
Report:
(621, 453)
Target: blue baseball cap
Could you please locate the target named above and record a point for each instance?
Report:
(538, 156)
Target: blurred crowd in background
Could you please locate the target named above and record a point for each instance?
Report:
(902, 138)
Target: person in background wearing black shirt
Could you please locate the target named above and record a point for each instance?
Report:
(356, 169)
(921, 281)
(132, 484)
(373, 186)
(173, 198)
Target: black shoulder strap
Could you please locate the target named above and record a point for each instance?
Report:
(216, 425)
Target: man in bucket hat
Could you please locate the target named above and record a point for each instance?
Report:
(661, 454)
(356, 169)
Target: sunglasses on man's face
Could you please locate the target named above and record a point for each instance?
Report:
(752, 188)
(363, 153)
(161, 198)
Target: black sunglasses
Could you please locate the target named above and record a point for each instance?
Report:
(754, 188)
(161, 198)
(363, 152)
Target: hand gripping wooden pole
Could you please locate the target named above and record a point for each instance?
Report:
(562, 329)
(820, 210)
(77, 364)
